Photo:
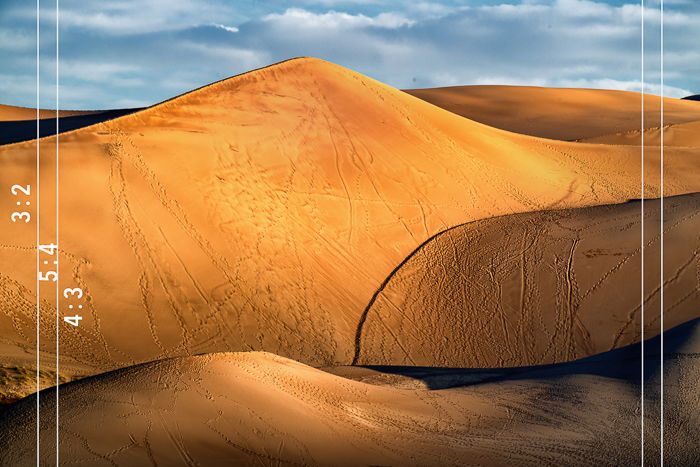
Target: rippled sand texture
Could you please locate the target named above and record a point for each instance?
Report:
(260, 409)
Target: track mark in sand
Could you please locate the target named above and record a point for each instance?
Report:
(569, 192)
(342, 179)
(141, 250)
(178, 443)
(523, 296)
(422, 214)
(258, 455)
(380, 289)
(89, 449)
(572, 299)
(119, 207)
(184, 267)
(632, 314)
(173, 207)
(90, 301)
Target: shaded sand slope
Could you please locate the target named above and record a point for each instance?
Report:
(263, 211)
(680, 134)
(536, 288)
(248, 408)
(558, 113)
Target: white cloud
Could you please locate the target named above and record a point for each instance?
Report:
(147, 50)
(226, 28)
(133, 16)
(337, 3)
(297, 18)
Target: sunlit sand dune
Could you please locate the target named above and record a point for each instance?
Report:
(558, 113)
(257, 408)
(262, 212)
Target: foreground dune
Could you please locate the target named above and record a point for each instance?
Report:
(262, 213)
(558, 113)
(257, 408)
(535, 288)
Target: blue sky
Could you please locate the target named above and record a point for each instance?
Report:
(119, 53)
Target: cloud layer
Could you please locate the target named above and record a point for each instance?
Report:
(127, 52)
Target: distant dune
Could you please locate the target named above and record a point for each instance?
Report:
(262, 212)
(558, 113)
(257, 408)
(534, 288)
(695, 97)
(10, 113)
(679, 134)
(15, 131)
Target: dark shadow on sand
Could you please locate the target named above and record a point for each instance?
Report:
(621, 364)
(25, 130)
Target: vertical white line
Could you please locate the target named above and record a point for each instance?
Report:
(57, 242)
(36, 190)
(642, 238)
(661, 281)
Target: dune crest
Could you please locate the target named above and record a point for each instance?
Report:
(558, 113)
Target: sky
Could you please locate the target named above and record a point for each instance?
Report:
(128, 53)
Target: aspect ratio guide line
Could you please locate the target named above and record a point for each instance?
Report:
(57, 382)
(661, 278)
(641, 339)
(38, 216)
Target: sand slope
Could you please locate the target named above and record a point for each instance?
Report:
(558, 113)
(257, 408)
(536, 288)
(262, 212)
(679, 134)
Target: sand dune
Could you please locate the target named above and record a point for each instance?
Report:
(680, 134)
(536, 288)
(10, 113)
(257, 408)
(309, 211)
(262, 212)
(558, 113)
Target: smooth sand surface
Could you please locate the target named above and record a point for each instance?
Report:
(536, 288)
(558, 113)
(678, 134)
(263, 212)
(260, 409)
